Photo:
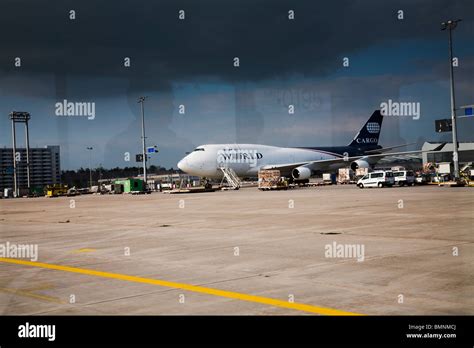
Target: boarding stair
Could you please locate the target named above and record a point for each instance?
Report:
(231, 177)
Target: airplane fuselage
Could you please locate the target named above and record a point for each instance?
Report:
(247, 159)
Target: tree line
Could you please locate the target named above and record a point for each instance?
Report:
(80, 177)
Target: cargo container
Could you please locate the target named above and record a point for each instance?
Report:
(360, 172)
(271, 180)
(345, 176)
(130, 185)
(444, 168)
(329, 178)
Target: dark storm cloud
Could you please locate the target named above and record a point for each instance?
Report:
(164, 49)
(83, 60)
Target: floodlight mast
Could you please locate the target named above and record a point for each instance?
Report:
(20, 117)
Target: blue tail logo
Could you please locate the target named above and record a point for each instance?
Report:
(368, 136)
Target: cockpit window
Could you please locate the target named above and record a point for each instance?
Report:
(198, 149)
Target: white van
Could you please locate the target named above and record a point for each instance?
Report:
(404, 177)
(377, 178)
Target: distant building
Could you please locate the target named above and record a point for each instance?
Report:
(44, 167)
(445, 154)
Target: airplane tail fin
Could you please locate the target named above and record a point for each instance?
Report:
(368, 136)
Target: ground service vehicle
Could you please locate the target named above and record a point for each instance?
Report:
(56, 190)
(404, 177)
(377, 178)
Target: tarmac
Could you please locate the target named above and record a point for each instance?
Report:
(243, 252)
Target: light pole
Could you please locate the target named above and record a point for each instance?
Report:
(100, 171)
(141, 100)
(90, 148)
(450, 25)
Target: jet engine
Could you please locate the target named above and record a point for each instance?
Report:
(359, 164)
(301, 173)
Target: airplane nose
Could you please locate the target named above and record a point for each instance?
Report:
(183, 165)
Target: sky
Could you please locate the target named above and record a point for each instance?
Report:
(190, 62)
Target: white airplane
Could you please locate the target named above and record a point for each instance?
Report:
(296, 163)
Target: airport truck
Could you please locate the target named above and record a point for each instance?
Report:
(56, 190)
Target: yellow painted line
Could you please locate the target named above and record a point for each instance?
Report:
(187, 287)
(30, 294)
(84, 250)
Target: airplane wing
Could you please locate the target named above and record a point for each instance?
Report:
(384, 149)
(370, 157)
(288, 167)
